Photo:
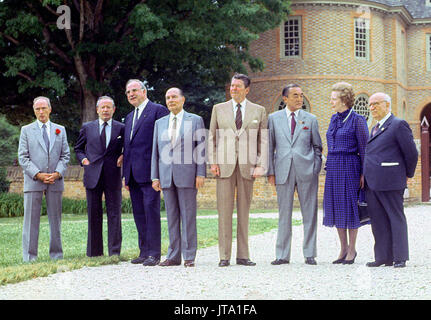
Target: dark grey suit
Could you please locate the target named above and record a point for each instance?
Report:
(34, 157)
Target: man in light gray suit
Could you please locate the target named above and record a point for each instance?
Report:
(295, 159)
(43, 154)
(178, 168)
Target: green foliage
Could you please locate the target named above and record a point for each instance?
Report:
(9, 137)
(12, 205)
(187, 43)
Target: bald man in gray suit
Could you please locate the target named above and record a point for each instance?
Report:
(43, 154)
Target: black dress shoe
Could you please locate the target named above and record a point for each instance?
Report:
(277, 262)
(310, 261)
(151, 261)
(139, 260)
(169, 263)
(375, 264)
(350, 261)
(224, 263)
(339, 261)
(245, 262)
(399, 264)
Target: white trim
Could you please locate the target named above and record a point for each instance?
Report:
(428, 51)
(283, 38)
(362, 51)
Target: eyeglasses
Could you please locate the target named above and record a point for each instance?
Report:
(375, 103)
(132, 91)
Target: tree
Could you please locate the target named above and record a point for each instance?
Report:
(186, 43)
(9, 136)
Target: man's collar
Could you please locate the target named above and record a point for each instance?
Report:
(40, 124)
(296, 112)
(109, 122)
(143, 104)
(179, 115)
(243, 103)
(381, 122)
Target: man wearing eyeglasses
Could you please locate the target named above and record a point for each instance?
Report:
(138, 145)
(390, 159)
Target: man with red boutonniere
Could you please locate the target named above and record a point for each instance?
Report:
(295, 159)
(43, 154)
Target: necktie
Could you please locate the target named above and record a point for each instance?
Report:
(376, 128)
(174, 130)
(103, 136)
(238, 119)
(45, 136)
(135, 122)
(292, 123)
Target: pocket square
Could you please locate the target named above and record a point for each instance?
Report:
(119, 137)
(305, 128)
(255, 121)
(390, 164)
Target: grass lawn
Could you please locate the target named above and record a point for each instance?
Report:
(74, 239)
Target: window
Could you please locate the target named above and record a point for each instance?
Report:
(428, 3)
(305, 105)
(428, 44)
(291, 37)
(361, 106)
(362, 38)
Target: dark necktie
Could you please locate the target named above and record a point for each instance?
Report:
(238, 119)
(103, 136)
(135, 122)
(45, 136)
(292, 123)
(376, 128)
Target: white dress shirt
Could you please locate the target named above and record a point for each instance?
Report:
(48, 128)
(107, 129)
(289, 117)
(179, 116)
(243, 103)
(381, 122)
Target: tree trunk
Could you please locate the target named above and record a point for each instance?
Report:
(88, 106)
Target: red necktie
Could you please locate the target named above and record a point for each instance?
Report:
(292, 123)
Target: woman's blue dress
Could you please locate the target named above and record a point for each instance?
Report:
(347, 137)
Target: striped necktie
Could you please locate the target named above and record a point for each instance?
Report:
(45, 136)
(238, 119)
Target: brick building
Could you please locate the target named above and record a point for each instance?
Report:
(379, 45)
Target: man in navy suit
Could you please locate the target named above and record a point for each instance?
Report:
(99, 149)
(390, 159)
(178, 168)
(138, 145)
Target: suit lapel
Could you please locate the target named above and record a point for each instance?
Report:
(142, 117)
(382, 128)
(282, 119)
(299, 125)
(38, 133)
(229, 115)
(182, 133)
(248, 116)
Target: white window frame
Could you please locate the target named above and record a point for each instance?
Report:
(362, 38)
(428, 3)
(305, 105)
(428, 51)
(284, 39)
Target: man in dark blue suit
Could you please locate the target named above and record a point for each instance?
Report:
(99, 149)
(390, 159)
(138, 145)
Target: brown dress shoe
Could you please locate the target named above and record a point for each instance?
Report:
(169, 263)
(224, 263)
(245, 262)
(189, 263)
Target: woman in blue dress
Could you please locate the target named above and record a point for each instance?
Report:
(346, 137)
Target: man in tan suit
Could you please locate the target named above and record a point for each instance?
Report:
(238, 154)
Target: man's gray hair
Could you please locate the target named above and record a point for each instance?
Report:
(42, 98)
(388, 99)
(105, 98)
(138, 81)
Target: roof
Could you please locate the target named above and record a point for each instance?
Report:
(417, 8)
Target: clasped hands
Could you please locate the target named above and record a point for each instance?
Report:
(48, 178)
(199, 183)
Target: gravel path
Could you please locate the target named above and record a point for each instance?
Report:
(294, 281)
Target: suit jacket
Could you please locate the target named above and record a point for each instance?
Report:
(390, 156)
(183, 161)
(137, 151)
(304, 149)
(34, 157)
(89, 146)
(247, 146)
